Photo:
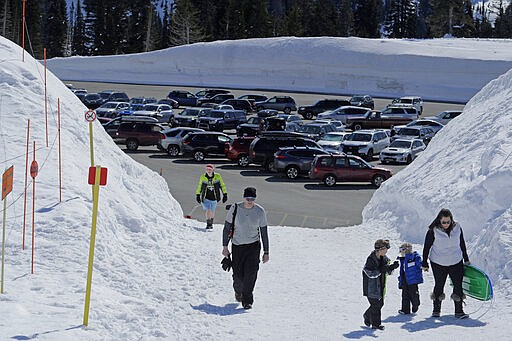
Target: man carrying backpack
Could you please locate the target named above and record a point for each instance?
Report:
(248, 221)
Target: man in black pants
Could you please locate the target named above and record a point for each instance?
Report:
(248, 222)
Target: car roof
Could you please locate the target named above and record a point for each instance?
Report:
(408, 140)
(410, 97)
(207, 133)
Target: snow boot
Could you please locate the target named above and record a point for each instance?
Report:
(209, 224)
(458, 301)
(436, 311)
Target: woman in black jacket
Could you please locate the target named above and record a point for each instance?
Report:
(445, 247)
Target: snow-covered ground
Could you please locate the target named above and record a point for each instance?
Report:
(157, 276)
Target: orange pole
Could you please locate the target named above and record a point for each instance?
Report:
(23, 33)
(60, 162)
(45, 98)
(25, 195)
(33, 209)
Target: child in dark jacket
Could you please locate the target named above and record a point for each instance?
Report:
(374, 282)
(409, 278)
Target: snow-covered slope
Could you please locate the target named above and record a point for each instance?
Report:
(441, 69)
(468, 168)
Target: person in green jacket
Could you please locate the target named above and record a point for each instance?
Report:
(208, 193)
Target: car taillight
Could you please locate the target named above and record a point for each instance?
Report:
(315, 170)
(186, 142)
(279, 157)
(162, 136)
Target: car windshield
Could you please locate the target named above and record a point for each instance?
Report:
(109, 105)
(137, 100)
(357, 99)
(216, 114)
(404, 100)
(409, 132)
(190, 112)
(151, 107)
(401, 144)
(360, 137)
(90, 97)
(310, 129)
(254, 120)
(332, 137)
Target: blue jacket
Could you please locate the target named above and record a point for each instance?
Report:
(410, 265)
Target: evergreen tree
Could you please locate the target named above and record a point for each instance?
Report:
(55, 27)
(503, 22)
(165, 37)
(185, 28)
(366, 18)
(452, 17)
(401, 19)
(79, 41)
(346, 19)
(424, 13)
(33, 42)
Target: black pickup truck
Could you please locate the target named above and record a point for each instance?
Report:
(375, 120)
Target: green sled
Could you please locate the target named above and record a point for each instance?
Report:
(476, 283)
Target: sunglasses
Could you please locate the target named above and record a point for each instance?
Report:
(250, 199)
(445, 222)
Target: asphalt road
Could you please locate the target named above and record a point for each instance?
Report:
(301, 202)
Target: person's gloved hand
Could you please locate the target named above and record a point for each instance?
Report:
(224, 198)
(226, 263)
(394, 265)
(198, 198)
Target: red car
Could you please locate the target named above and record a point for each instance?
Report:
(238, 150)
(346, 168)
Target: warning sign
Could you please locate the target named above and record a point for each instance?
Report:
(90, 115)
(7, 182)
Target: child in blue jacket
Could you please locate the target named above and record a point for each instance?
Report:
(409, 278)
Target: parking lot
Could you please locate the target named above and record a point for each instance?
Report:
(301, 202)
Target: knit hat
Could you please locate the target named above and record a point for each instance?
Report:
(406, 248)
(250, 192)
(209, 166)
(382, 243)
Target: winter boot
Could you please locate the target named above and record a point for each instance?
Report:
(209, 224)
(436, 312)
(238, 297)
(458, 302)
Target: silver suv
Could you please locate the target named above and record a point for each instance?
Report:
(285, 104)
(366, 143)
(171, 139)
(409, 101)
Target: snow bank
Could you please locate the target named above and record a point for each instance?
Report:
(440, 69)
(466, 168)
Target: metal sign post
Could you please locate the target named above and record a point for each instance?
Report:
(6, 189)
(90, 116)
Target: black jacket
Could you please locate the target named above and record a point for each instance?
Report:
(375, 272)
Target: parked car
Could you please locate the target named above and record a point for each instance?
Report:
(445, 116)
(174, 104)
(199, 145)
(342, 113)
(252, 127)
(207, 93)
(238, 150)
(285, 104)
(316, 131)
(189, 117)
(184, 98)
(402, 151)
(331, 169)
(377, 120)
(162, 112)
(322, 105)
(142, 100)
(263, 147)
(219, 98)
(409, 101)
(254, 97)
(338, 125)
(112, 125)
(295, 161)
(172, 139)
(111, 109)
(267, 113)
(404, 112)
(366, 143)
(415, 132)
(434, 125)
(240, 104)
(92, 100)
(218, 120)
(362, 101)
(135, 134)
(332, 141)
(114, 96)
(292, 122)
